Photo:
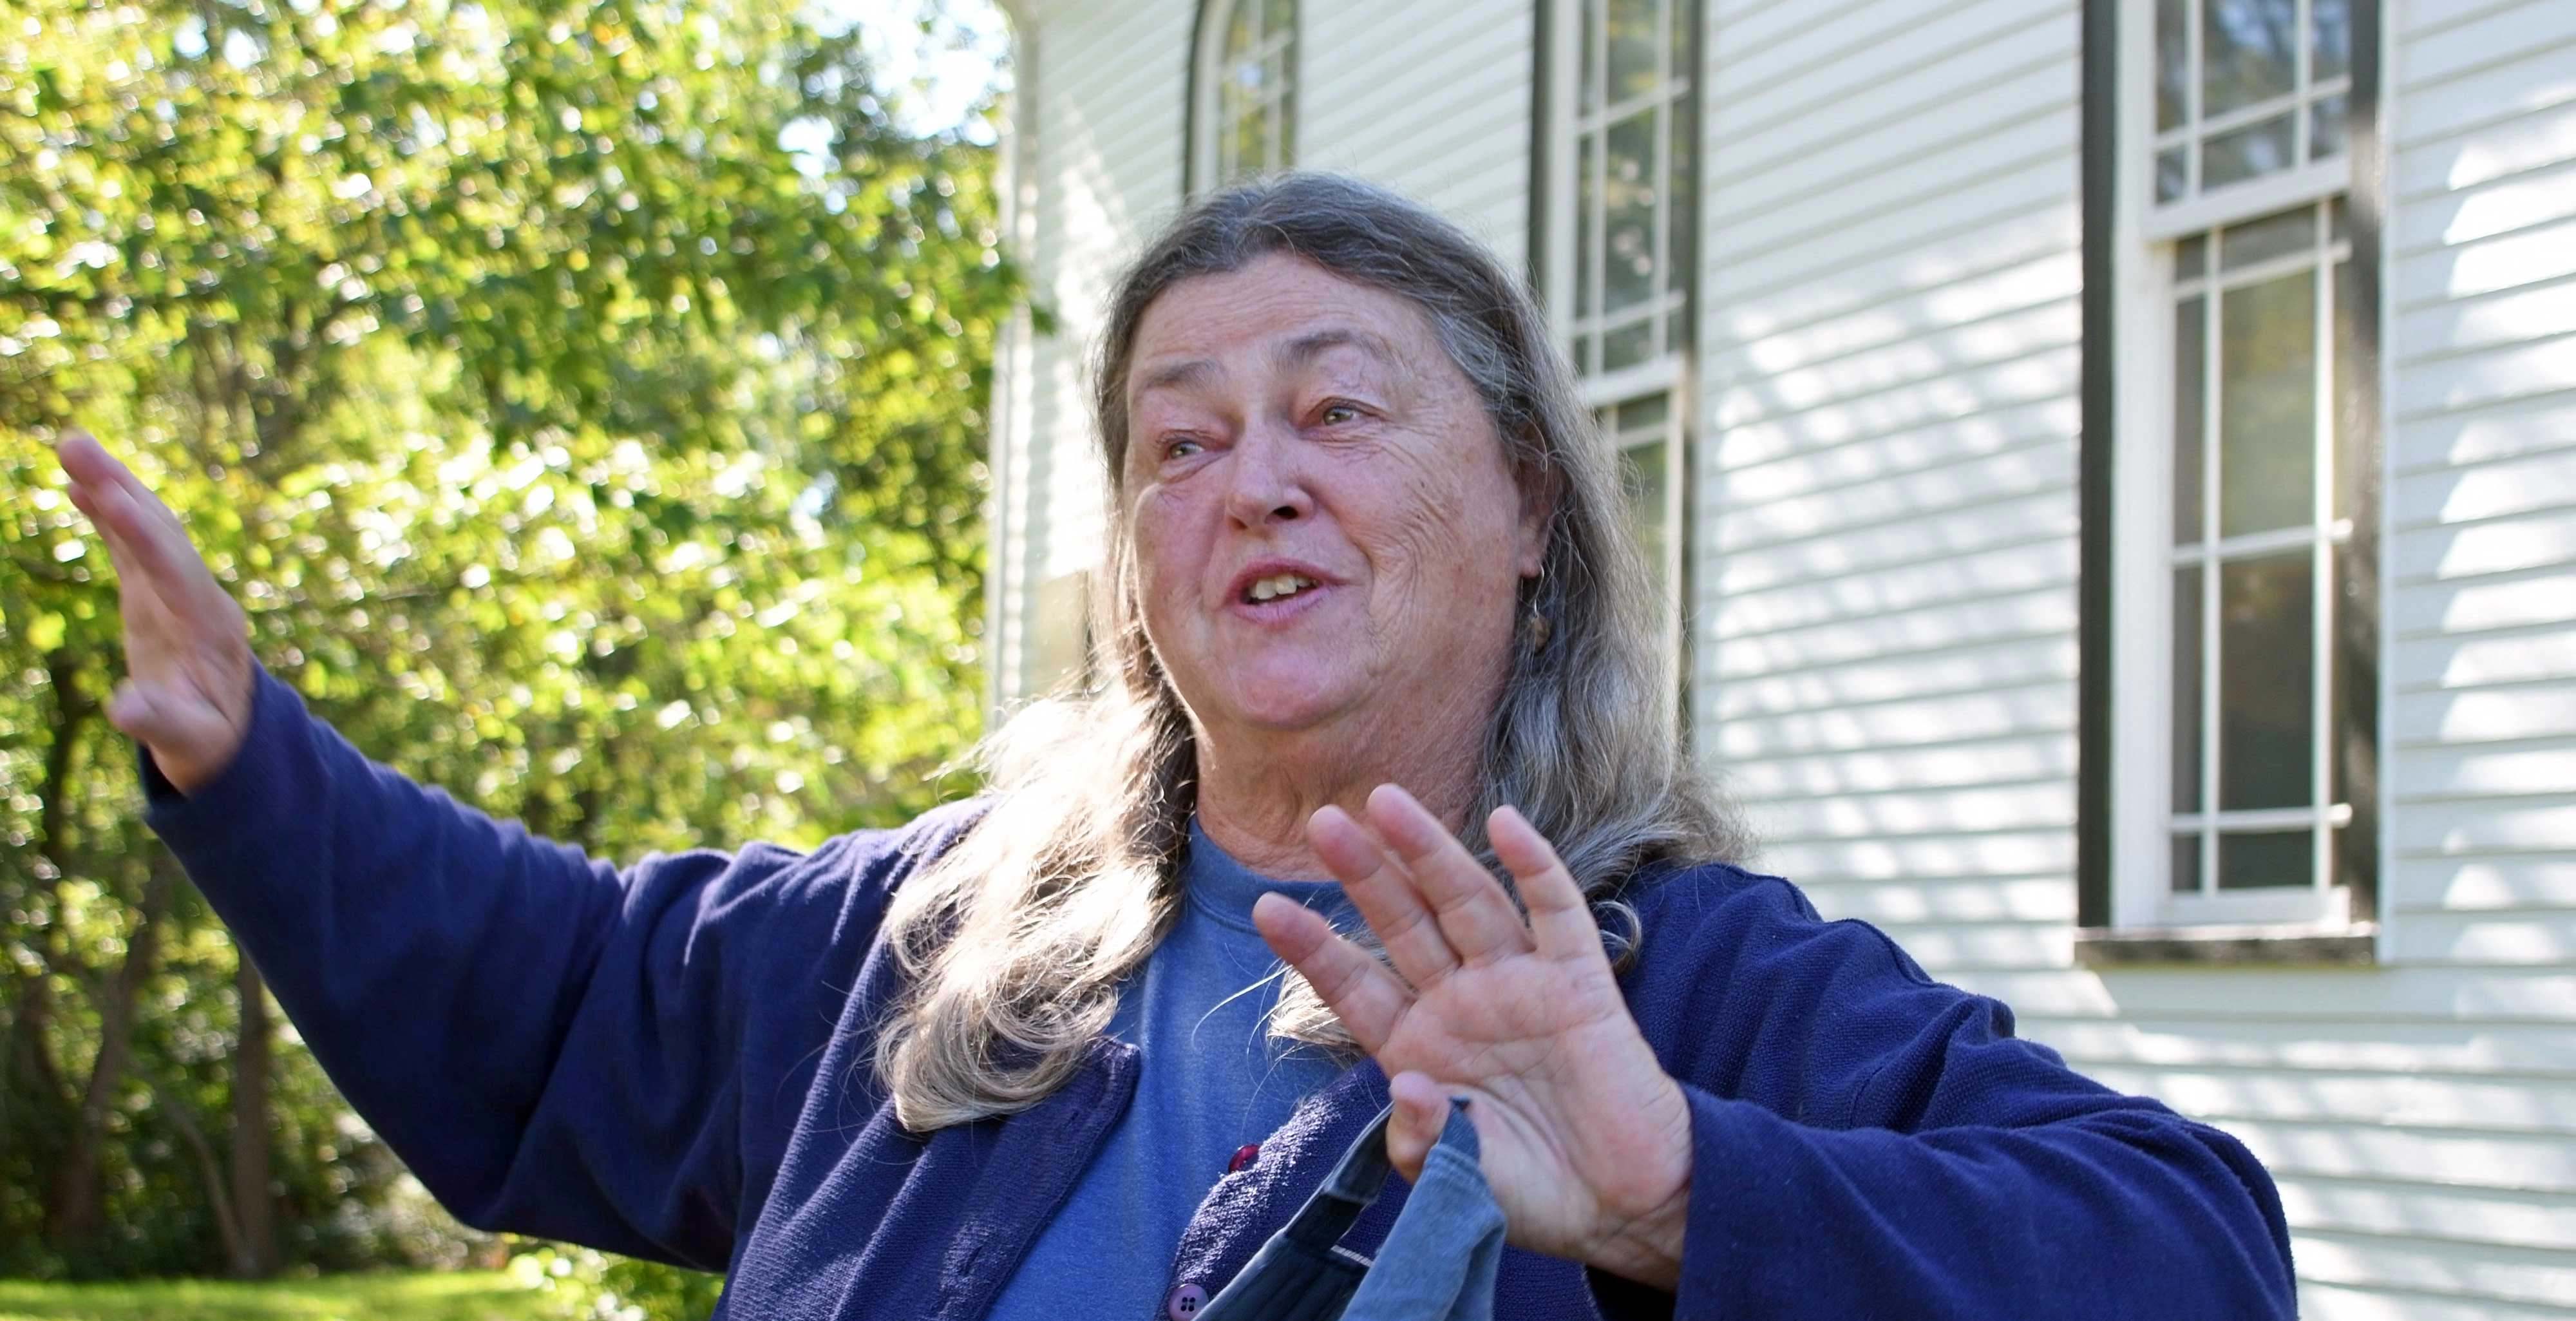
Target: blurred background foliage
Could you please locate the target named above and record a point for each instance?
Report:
(583, 400)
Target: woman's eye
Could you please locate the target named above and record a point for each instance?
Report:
(1181, 448)
(1336, 414)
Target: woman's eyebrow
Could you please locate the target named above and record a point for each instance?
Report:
(1308, 347)
(1176, 375)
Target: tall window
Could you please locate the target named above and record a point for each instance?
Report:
(1621, 141)
(2248, 436)
(1245, 111)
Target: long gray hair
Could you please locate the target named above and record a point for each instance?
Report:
(1015, 941)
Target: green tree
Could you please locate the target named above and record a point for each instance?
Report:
(572, 443)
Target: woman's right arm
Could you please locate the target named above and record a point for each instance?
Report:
(553, 1046)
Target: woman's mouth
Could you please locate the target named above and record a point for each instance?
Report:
(1277, 586)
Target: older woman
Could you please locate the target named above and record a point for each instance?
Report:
(1366, 615)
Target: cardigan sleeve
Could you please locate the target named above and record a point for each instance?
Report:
(554, 1046)
(1869, 1142)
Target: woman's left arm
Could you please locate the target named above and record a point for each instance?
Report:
(1844, 1137)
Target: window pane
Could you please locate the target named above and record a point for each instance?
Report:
(1638, 415)
(1636, 57)
(2271, 859)
(1278, 16)
(1586, 201)
(2186, 689)
(2172, 174)
(2352, 415)
(1238, 29)
(2191, 352)
(2331, 55)
(1588, 94)
(1630, 194)
(1628, 345)
(1677, 202)
(2266, 682)
(2186, 864)
(2326, 131)
(2191, 258)
(1641, 474)
(1284, 127)
(2267, 405)
(1680, 10)
(2240, 246)
(2173, 63)
(2262, 148)
(2248, 52)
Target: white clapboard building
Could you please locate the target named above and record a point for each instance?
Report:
(2114, 469)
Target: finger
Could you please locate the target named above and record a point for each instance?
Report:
(85, 459)
(158, 553)
(1378, 887)
(1472, 909)
(159, 718)
(1421, 1114)
(1560, 918)
(134, 589)
(1357, 988)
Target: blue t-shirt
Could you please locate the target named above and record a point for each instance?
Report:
(1211, 1080)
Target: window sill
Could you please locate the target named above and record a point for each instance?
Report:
(2354, 946)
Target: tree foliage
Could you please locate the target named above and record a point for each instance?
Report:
(582, 400)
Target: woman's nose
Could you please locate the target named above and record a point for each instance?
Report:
(1268, 482)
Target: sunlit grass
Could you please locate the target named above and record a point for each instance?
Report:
(392, 1296)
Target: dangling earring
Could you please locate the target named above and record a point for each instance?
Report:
(1538, 621)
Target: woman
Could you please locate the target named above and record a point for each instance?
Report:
(1365, 615)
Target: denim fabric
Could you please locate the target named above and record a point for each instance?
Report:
(1438, 1261)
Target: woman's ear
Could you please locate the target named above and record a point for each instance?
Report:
(1538, 519)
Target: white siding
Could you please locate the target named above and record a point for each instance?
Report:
(1436, 104)
(1107, 159)
(1884, 629)
(1885, 613)
(2479, 734)
(1885, 573)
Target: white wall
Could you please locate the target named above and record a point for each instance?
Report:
(1106, 159)
(1885, 620)
(1886, 545)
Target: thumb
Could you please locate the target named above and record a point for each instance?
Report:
(1421, 1112)
(189, 739)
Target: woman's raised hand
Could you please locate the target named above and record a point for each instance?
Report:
(189, 674)
(1586, 1140)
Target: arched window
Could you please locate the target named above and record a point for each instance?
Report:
(1245, 116)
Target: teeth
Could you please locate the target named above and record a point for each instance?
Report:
(1279, 585)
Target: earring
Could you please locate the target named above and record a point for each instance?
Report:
(1538, 628)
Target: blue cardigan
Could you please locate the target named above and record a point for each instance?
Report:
(673, 1063)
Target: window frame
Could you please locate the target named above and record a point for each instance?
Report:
(1557, 111)
(2124, 819)
(1202, 118)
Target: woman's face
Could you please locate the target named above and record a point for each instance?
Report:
(1327, 534)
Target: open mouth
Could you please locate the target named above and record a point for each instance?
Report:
(1277, 587)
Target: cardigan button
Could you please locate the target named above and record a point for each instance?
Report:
(1243, 1158)
(1185, 1302)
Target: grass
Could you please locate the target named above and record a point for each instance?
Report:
(392, 1296)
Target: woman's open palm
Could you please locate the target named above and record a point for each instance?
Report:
(1586, 1140)
(189, 674)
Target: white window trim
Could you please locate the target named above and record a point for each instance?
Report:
(1667, 372)
(2143, 236)
(1206, 112)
